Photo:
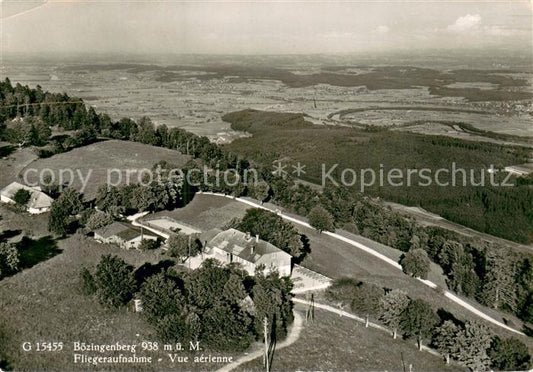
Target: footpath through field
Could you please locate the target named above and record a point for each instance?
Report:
(292, 336)
(299, 221)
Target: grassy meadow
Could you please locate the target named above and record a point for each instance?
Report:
(334, 343)
(103, 156)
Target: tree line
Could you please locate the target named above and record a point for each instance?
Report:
(470, 343)
(291, 137)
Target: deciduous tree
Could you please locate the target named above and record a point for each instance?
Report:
(183, 246)
(473, 343)
(160, 296)
(98, 220)
(367, 299)
(260, 190)
(273, 229)
(498, 283)
(509, 354)
(416, 263)
(9, 259)
(392, 305)
(418, 320)
(445, 339)
(115, 281)
(22, 196)
(88, 284)
(342, 291)
(321, 219)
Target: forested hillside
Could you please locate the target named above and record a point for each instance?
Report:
(502, 211)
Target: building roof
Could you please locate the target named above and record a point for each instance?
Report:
(37, 200)
(239, 244)
(207, 236)
(122, 230)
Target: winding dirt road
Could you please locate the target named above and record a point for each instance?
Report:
(369, 250)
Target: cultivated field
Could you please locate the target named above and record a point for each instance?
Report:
(98, 159)
(383, 115)
(195, 96)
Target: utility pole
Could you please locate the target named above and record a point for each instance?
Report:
(313, 307)
(189, 249)
(310, 313)
(265, 332)
(403, 363)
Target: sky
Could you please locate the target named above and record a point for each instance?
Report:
(261, 27)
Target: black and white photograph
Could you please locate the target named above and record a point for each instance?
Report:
(266, 185)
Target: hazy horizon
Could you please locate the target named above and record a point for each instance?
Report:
(261, 28)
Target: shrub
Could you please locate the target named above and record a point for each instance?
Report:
(88, 284)
(22, 196)
(115, 281)
(321, 219)
(416, 263)
(149, 244)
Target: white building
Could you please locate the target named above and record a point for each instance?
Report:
(232, 245)
(123, 234)
(39, 202)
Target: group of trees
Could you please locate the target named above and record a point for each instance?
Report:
(473, 345)
(71, 210)
(492, 275)
(36, 111)
(113, 282)
(495, 276)
(30, 131)
(64, 212)
(498, 278)
(469, 343)
(273, 229)
(132, 198)
(290, 136)
(182, 246)
(221, 306)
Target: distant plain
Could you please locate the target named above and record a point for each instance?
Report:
(195, 95)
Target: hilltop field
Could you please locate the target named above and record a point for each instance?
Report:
(102, 157)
